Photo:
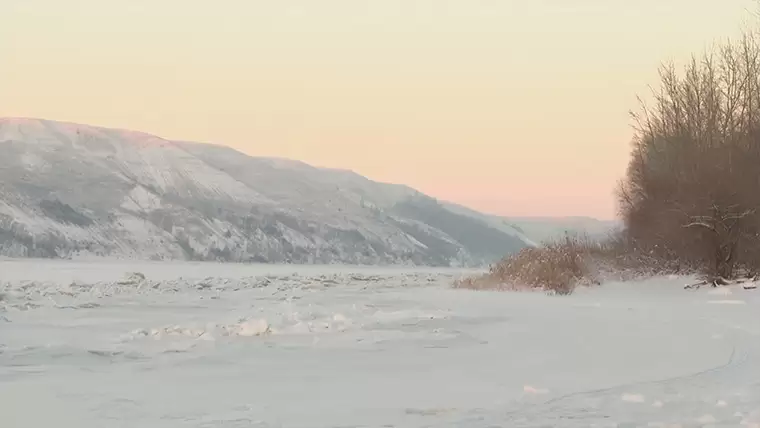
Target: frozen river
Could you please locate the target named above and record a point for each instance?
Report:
(208, 345)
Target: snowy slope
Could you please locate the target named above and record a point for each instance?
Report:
(542, 229)
(70, 190)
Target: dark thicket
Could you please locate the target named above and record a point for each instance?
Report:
(692, 188)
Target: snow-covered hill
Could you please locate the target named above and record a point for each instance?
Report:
(544, 229)
(69, 190)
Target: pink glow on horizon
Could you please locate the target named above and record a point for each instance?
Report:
(513, 107)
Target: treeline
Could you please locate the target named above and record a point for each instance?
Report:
(692, 188)
(690, 199)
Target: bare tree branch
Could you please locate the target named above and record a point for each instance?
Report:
(700, 224)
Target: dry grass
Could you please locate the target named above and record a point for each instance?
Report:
(557, 267)
(561, 266)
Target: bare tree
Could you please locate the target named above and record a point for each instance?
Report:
(692, 188)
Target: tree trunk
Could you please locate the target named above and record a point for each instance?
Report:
(724, 260)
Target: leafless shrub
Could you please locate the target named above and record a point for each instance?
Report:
(560, 266)
(557, 267)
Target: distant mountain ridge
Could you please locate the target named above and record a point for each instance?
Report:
(69, 190)
(544, 229)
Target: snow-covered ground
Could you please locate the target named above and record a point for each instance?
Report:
(207, 345)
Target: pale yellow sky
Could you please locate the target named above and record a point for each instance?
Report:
(511, 107)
